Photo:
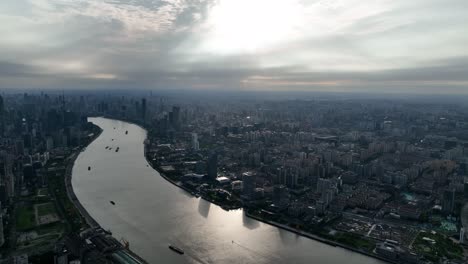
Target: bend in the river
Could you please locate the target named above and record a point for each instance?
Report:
(151, 213)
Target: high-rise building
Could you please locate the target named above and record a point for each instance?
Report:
(137, 109)
(3, 193)
(448, 201)
(143, 109)
(49, 143)
(212, 166)
(327, 196)
(248, 184)
(28, 173)
(323, 185)
(280, 195)
(176, 117)
(462, 235)
(195, 143)
(2, 116)
(292, 180)
(465, 189)
(2, 238)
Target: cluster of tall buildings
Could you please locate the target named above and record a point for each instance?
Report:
(316, 160)
(328, 163)
(34, 128)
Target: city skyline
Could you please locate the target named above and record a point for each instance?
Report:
(178, 179)
(332, 46)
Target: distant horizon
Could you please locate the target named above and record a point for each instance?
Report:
(251, 94)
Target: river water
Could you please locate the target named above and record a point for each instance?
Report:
(151, 213)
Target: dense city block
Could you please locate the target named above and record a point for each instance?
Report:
(386, 178)
(382, 177)
(41, 219)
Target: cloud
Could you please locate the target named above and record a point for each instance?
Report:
(243, 44)
(15, 69)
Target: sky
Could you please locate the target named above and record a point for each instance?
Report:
(417, 46)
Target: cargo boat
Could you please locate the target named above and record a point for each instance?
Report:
(176, 249)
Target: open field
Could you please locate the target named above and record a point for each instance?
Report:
(25, 217)
(45, 209)
(45, 213)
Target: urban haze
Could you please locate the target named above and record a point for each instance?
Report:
(233, 131)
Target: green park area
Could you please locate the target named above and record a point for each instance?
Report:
(349, 239)
(355, 241)
(65, 207)
(25, 218)
(32, 236)
(40, 238)
(45, 209)
(436, 246)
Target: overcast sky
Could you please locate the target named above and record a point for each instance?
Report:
(333, 45)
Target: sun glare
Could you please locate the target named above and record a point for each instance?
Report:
(257, 26)
(251, 25)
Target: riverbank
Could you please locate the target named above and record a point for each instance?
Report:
(275, 224)
(260, 219)
(71, 194)
(175, 183)
(317, 238)
(91, 222)
(190, 191)
(278, 225)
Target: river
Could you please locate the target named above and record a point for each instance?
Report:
(151, 213)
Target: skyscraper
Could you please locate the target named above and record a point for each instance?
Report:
(176, 117)
(248, 184)
(212, 166)
(465, 189)
(143, 109)
(195, 143)
(2, 238)
(2, 116)
(322, 185)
